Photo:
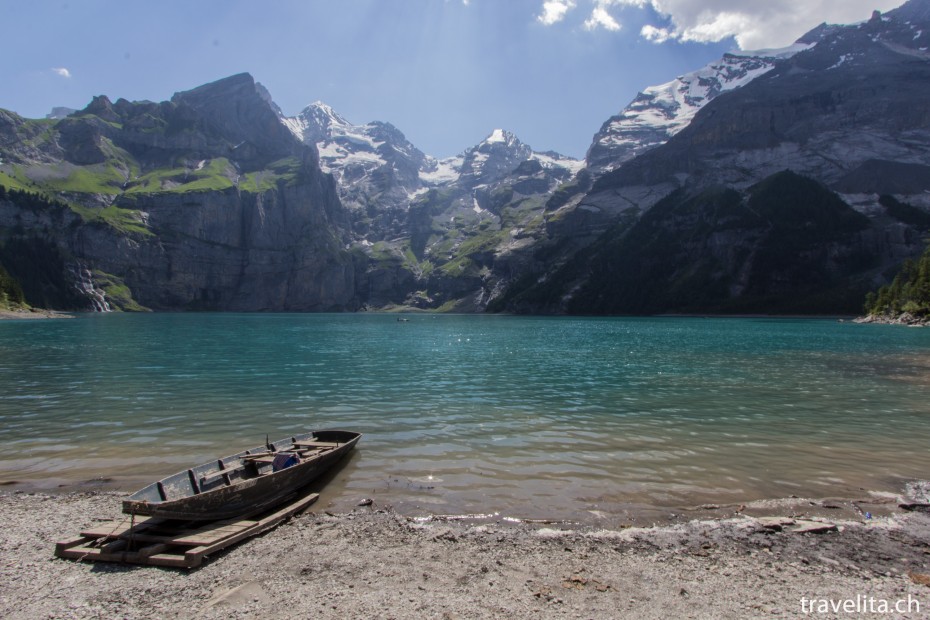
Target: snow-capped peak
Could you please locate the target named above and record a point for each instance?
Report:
(319, 121)
(499, 139)
(324, 112)
(316, 122)
(371, 159)
(498, 135)
(659, 112)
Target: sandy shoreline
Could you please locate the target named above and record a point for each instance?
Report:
(374, 563)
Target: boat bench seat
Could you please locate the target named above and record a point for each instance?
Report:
(216, 474)
(317, 444)
(260, 459)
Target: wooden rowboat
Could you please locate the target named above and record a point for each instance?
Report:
(248, 482)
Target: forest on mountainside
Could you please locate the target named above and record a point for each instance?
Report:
(909, 291)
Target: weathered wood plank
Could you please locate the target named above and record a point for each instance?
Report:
(317, 444)
(96, 555)
(225, 522)
(63, 545)
(78, 552)
(210, 536)
(167, 537)
(147, 555)
(161, 544)
(115, 529)
(262, 459)
(266, 523)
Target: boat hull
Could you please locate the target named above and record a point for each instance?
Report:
(188, 496)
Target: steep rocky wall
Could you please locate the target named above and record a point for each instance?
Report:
(279, 250)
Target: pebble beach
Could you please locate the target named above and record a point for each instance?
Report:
(778, 559)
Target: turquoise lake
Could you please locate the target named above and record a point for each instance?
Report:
(524, 417)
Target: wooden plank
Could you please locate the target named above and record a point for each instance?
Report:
(233, 521)
(160, 542)
(266, 523)
(79, 552)
(114, 529)
(225, 473)
(63, 545)
(158, 559)
(318, 444)
(153, 538)
(210, 536)
(261, 459)
(174, 561)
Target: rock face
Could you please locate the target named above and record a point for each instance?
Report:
(267, 251)
(204, 202)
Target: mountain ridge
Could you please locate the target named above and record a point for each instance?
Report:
(216, 200)
(849, 114)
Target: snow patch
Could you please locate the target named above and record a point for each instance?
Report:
(295, 125)
(442, 172)
(496, 136)
(660, 112)
(842, 60)
(549, 161)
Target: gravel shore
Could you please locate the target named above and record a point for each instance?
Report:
(33, 314)
(374, 563)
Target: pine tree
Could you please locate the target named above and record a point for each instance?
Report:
(11, 293)
(908, 292)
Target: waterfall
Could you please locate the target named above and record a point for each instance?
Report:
(84, 283)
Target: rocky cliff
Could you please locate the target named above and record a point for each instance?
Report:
(206, 201)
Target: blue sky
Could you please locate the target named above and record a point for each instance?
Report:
(445, 72)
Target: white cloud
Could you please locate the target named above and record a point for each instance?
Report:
(753, 23)
(656, 35)
(62, 72)
(600, 18)
(553, 11)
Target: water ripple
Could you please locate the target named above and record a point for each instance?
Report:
(478, 414)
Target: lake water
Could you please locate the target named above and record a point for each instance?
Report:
(526, 417)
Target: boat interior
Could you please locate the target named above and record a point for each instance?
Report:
(244, 465)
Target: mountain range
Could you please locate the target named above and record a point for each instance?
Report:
(790, 180)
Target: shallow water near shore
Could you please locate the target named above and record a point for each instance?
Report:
(569, 418)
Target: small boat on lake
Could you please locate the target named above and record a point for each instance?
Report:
(245, 483)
